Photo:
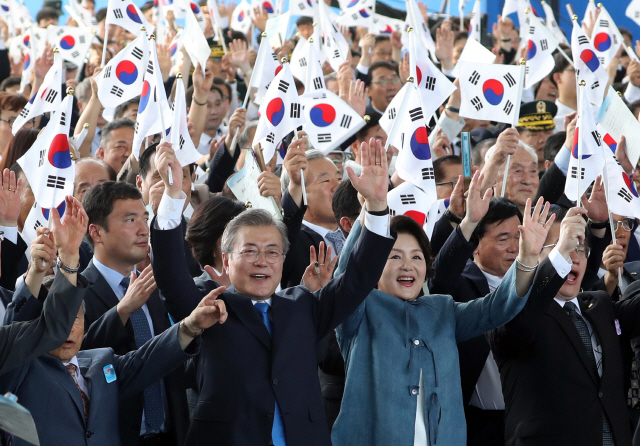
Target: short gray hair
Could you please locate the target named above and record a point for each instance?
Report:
(312, 154)
(243, 137)
(253, 218)
(105, 136)
(83, 91)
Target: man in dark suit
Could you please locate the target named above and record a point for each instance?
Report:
(257, 378)
(560, 360)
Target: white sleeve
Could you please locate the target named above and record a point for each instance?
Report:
(361, 68)
(632, 93)
(10, 233)
(170, 211)
(561, 265)
(378, 224)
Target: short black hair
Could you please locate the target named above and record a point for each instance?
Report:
(345, 202)
(105, 136)
(144, 163)
(439, 164)
(207, 225)
(403, 224)
(100, 199)
(220, 82)
(500, 209)
(477, 157)
(147, 6)
(122, 108)
(558, 211)
(304, 20)
(374, 121)
(553, 145)
(381, 64)
(101, 14)
(561, 64)
(47, 13)
(381, 38)
(9, 82)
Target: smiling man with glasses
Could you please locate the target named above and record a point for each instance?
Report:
(384, 84)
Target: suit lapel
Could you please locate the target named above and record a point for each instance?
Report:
(62, 378)
(557, 312)
(243, 308)
(473, 273)
(100, 287)
(92, 387)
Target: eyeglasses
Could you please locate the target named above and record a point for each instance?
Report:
(451, 183)
(627, 224)
(393, 81)
(252, 255)
(27, 124)
(581, 250)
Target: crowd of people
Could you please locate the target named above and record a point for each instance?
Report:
(156, 308)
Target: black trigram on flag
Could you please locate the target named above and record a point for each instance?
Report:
(625, 195)
(43, 153)
(75, 54)
(604, 23)
(526, 69)
(324, 137)
(51, 96)
(301, 6)
(595, 85)
(303, 61)
(81, 39)
(510, 80)
(475, 77)
(430, 83)
(117, 13)
(37, 225)
(150, 67)
(574, 172)
(427, 173)
(416, 114)
(477, 103)
(55, 182)
(508, 107)
(283, 86)
(271, 137)
(136, 127)
(346, 121)
(274, 55)
(392, 212)
(392, 113)
(107, 72)
(408, 199)
(317, 83)
(60, 32)
(544, 45)
(354, 16)
(596, 137)
(636, 14)
(63, 118)
(25, 110)
(137, 53)
(582, 40)
(532, 30)
(336, 54)
(117, 91)
(295, 110)
(181, 139)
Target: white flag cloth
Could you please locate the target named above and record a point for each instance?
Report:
(241, 17)
(552, 24)
(540, 47)
(329, 121)
(72, 42)
(476, 16)
(121, 79)
(473, 52)
(409, 200)
(357, 13)
(588, 66)
(196, 43)
(436, 211)
(38, 217)
(589, 14)
(280, 113)
(46, 99)
(152, 97)
(510, 6)
(622, 195)
(385, 25)
(416, 21)
(314, 79)
(432, 86)
(334, 45)
(300, 60)
(265, 70)
(268, 6)
(592, 155)
(127, 15)
(388, 118)
(216, 20)
(39, 37)
(304, 7)
(179, 134)
(29, 60)
(47, 164)
(197, 13)
(491, 92)
(633, 11)
(174, 48)
(606, 38)
(83, 16)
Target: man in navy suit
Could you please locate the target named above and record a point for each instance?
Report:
(257, 376)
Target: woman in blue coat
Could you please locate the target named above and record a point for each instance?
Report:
(402, 372)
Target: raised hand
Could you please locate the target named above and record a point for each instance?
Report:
(596, 205)
(260, 18)
(373, 183)
(209, 311)
(344, 78)
(444, 47)
(240, 55)
(269, 185)
(572, 231)
(42, 248)
(69, 233)
(221, 279)
(477, 204)
(138, 292)
(10, 199)
(623, 159)
(295, 162)
(320, 269)
(237, 121)
(442, 145)
(358, 94)
(164, 60)
(456, 201)
(404, 68)
(167, 163)
(201, 83)
(533, 231)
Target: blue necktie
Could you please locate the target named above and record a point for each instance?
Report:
(277, 432)
(153, 404)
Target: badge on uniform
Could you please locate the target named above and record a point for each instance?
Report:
(110, 373)
(618, 330)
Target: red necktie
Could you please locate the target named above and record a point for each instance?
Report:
(71, 368)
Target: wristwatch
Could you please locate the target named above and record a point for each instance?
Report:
(595, 225)
(452, 218)
(184, 329)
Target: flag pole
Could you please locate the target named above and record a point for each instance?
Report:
(611, 224)
(163, 134)
(508, 163)
(579, 129)
(401, 112)
(106, 39)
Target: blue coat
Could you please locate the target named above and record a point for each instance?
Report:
(386, 343)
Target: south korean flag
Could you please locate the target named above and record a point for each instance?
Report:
(307, 8)
(179, 134)
(475, 25)
(552, 24)
(416, 21)
(334, 45)
(385, 25)
(357, 13)
(121, 79)
(588, 66)
(38, 217)
(197, 12)
(127, 15)
(265, 70)
(491, 92)
(606, 38)
(622, 195)
(83, 16)
(47, 164)
(330, 120)
(314, 79)
(46, 99)
(408, 199)
(72, 42)
(241, 17)
(540, 47)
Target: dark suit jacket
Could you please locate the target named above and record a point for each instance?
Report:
(552, 395)
(299, 256)
(24, 341)
(241, 371)
(45, 387)
(104, 329)
(551, 187)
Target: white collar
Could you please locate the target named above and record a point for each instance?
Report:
(563, 109)
(492, 280)
(268, 301)
(319, 229)
(73, 361)
(112, 277)
(574, 300)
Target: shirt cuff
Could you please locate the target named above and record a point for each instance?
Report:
(10, 233)
(361, 68)
(632, 93)
(378, 224)
(170, 211)
(562, 160)
(561, 265)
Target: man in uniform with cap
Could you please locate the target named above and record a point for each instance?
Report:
(536, 124)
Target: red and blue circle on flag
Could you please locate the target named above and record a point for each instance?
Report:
(574, 149)
(322, 115)
(67, 42)
(133, 14)
(387, 30)
(419, 74)
(127, 72)
(493, 91)
(173, 48)
(419, 144)
(630, 184)
(275, 111)
(46, 212)
(610, 142)
(241, 16)
(27, 61)
(144, 97)
(59, 155)
(195, 8)
(531, 50)
(352, 3)
(602, 42)
(419, 217)
(363, 12)
(590, 59)
(268, 7)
